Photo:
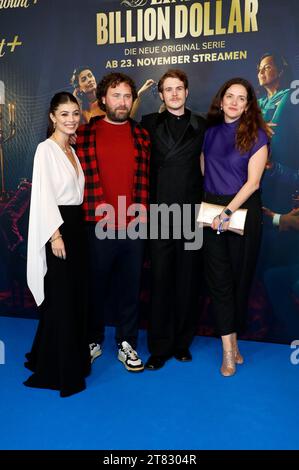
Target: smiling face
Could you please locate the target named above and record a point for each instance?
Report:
(174, 95)
(66, 118)
(87, 81)
(118, 102)
(234, 102)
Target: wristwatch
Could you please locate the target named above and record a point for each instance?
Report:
(228, 212)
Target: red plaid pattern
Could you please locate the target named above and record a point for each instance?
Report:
(86, 152)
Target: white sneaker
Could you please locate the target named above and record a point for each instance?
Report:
(95, 351)
(129, 358)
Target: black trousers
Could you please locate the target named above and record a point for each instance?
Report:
(175, 284)
(230, 260)
(120, 260)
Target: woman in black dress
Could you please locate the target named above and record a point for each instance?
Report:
(59, 358)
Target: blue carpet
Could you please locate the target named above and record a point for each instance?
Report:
(182, 406)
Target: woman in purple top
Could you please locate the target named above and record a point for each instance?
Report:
(234, 156)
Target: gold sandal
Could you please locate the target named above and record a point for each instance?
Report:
(228, 367)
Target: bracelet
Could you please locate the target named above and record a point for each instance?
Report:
(56, 238)
(219, 229)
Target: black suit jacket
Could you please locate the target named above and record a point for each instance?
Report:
(175, 175)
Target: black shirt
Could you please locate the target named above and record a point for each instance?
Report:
(177, 124)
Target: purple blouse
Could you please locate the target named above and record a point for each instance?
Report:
(226, 169)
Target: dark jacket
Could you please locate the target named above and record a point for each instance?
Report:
(175, 175)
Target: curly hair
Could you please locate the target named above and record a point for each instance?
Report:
(112, 80)
(250, 121)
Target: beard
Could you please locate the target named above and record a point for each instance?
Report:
(119, 114)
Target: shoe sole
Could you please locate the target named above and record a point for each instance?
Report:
(153, 368)
(183, 360)
(97, 354)
(228, 374)
(135, 369)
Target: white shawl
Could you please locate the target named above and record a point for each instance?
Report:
(54, 183)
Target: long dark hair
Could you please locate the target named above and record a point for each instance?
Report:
(250, 121)
(58, 99)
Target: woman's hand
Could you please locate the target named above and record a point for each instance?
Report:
(271, 127)
(221, 223)
(148, 84)
(58, 248)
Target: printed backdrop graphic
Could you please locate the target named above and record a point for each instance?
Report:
(42, 43)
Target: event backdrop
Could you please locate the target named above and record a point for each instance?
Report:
(43, 41)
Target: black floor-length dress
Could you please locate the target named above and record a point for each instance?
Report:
(59, 358)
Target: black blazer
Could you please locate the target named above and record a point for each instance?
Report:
(175, 175)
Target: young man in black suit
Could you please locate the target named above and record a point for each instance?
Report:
(175, 178)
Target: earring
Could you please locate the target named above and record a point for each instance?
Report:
(54, 125)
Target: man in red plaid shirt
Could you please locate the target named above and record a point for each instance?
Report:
(114, 153)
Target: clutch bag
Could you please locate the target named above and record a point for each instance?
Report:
(208, 212)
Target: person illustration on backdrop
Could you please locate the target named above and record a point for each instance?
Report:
(85, 87)
(114, 152)
(281, 178)
(233, 160)
(59, 358)
(175, 177)
(279, 255)
(13, 248)
(282, 282)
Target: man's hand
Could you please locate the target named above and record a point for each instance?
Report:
(268, 213)
(73, 139)
(289, 221)
(268, 217)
